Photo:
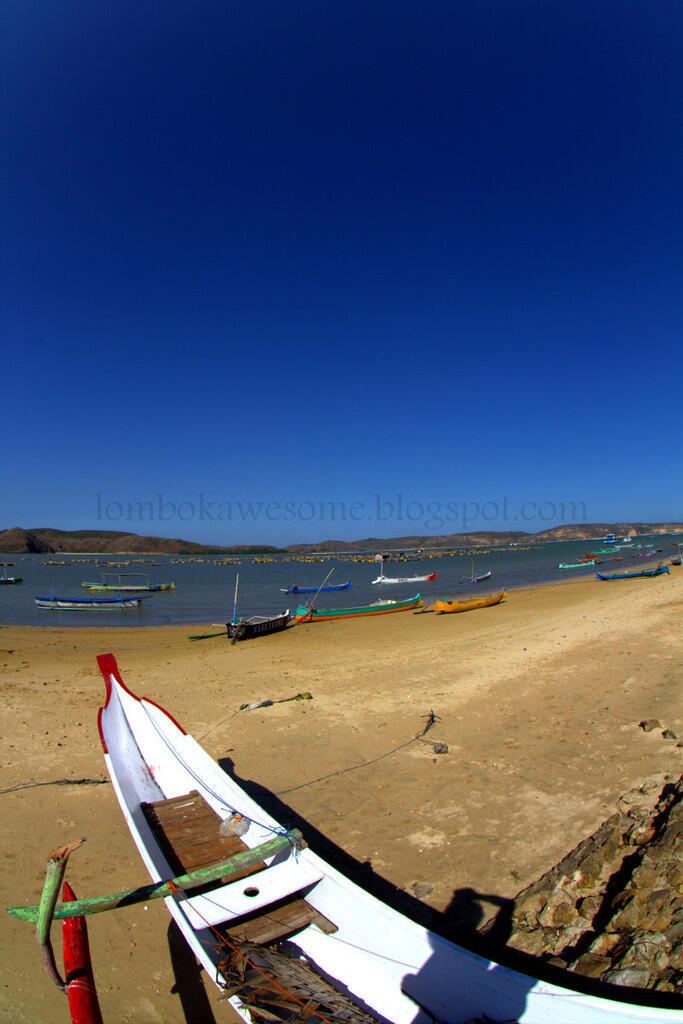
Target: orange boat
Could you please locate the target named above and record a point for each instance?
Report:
(468, 606)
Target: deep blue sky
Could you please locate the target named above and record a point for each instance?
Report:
(316, 252)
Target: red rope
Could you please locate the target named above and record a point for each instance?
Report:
(182, 895)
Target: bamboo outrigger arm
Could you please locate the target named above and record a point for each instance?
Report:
(45, 911)
(156, 890)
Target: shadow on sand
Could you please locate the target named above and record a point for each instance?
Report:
(432, 987)
(189, 985)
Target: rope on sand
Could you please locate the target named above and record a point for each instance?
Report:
(56, 782)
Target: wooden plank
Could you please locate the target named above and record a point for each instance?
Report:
(278, 920)
(187, 831)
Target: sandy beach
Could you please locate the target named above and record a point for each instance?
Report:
(539, 700)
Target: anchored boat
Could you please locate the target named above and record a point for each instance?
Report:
(87, 604)
(126, 583)
(314, 590)
(401, 579)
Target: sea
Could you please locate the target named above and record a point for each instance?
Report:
(205, 585)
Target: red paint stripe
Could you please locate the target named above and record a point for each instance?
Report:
(109, 668)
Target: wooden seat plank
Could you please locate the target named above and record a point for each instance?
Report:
(187, 830)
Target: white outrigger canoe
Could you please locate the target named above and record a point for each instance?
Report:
(405, 579)
(350, 957)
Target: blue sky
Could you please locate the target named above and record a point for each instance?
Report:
(298, 254)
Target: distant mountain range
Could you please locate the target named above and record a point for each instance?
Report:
(46, 540)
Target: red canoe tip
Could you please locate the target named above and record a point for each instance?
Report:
(107, 664)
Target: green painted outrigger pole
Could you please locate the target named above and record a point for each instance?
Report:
(44, 913)
(154, 891)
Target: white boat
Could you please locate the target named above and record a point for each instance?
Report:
(405, 579)
(350, 957)
(400, 579)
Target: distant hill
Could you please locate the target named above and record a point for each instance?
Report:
(491, 538)
(45, 540)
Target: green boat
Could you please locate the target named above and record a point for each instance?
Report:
(308, 614)
(129, 582)
(575, 565)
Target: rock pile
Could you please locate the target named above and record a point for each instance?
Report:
(613, 908)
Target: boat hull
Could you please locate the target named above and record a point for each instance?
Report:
(448, 607)
(314, 590)
(247, 629)
(153, 588)
(661, 570)
(380, 608)
(87, 604)
(382, 961)
(405, 579)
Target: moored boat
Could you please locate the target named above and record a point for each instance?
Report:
(449, 606)
(405, 579)
(126, 584)
(313, 614)
(576, 565)
(315, 590)
(85, 604)
(659, 571)
(301, 925)
(477, 578)
(11, 579)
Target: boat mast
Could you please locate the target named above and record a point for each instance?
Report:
(234, 606)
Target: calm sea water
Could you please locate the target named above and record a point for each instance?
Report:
(205, 590)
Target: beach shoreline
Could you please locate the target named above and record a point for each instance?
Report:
(538, 699)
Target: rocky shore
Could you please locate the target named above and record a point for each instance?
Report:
(613, 908)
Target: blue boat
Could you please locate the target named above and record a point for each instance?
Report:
(659, 571)
(314, 590)
(85, 604)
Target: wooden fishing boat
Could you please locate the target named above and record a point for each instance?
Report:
(314, 590)
(405, 579)
(474, 578)
(399, 579)
(87, 604)
(676, 560)
(448, 606)
(257, 625)
(575, 565)
(11, 579)
(659, 571)
(326, 949)
(312, 614)
(126, 584)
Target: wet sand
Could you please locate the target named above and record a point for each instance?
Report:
(539, 700)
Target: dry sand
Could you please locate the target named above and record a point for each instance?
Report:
(539, 700)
